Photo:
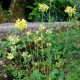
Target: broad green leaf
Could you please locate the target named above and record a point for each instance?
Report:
(55, 71)
(61, 76)
(36, 75)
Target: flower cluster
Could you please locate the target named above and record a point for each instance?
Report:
(10, 56)
(21, 24)
(70, 10)
(25, 55)
(43, 7)
(37, 32)
(41, 27)
(36, 39)
(13, 48)
(13, 39)
(48, 44)
(48, 31)
(28, 33)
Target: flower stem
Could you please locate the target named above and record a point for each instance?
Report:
(49, 12)
(49, 58)
(42, 17)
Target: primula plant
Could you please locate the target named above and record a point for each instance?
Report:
(21, 24)
(13, 39)
(70, 10)
(46, 54)
(43, 8)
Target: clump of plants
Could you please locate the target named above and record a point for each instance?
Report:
(42, 55)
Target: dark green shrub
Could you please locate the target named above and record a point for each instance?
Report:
(57, 10)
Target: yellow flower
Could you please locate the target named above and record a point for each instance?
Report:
(35, 39)
(36, 64)
(28, 33)
(10, 56)
(37, 32)
(24, 54)
(58, 28)
(13, 48)
(39, 39)
(48, 44)
(51, 28)
(70, 10)
(50, 78)
(21, 24)
(43, 7)
(13, 39)
(42, 36)
(41, 27)
(48, 31)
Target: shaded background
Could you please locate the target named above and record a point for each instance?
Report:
(10, 10)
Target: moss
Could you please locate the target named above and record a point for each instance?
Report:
(2, 18)
(2, 78)
(18, 9)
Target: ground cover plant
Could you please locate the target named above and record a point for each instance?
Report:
(46, 54)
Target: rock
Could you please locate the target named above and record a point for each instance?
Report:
(2, 18)
(3, 64)
(17, 8)
(2, 75)
(79, 5)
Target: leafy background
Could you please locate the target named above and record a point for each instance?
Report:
(57, 10)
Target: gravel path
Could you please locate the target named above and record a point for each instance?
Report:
(5, 27)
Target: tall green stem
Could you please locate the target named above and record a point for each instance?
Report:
(37, 53)
(50, 11)
(66, 38)
(42, 16)
(49, 58)
(42, 48)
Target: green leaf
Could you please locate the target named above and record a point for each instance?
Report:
(15, 31)
(59, 53)
(61, 76)
(29, 7)
(36, 75)
(9, 31)
(19, 46)
(52, 74)
(25, 78)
